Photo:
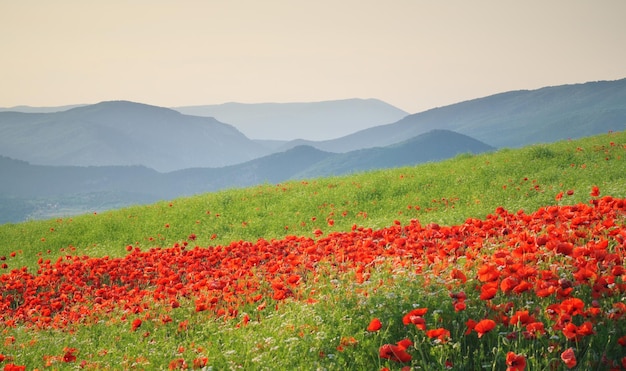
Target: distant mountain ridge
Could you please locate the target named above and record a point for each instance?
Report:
(123, 133)
(432, 146)
(31, 109)
(306, 120)
(510, 119)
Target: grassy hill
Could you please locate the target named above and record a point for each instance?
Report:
(305, 313)
(477, 184)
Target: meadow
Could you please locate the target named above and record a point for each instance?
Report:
(510, 260)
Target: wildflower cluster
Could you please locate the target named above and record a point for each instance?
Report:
(554, 277)
(550, 281)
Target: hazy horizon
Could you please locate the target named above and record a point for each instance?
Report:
(410, 54)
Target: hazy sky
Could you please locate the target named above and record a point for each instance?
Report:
(413, 54)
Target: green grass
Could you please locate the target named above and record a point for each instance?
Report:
(294, 335)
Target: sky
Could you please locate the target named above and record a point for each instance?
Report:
(413, 54)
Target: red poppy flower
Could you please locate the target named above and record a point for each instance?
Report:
(458, 296)
(459, 306)
(573, 332)
(136, 323)
(470, 326)
(457, 274)
(484, 326)
(404, 343)
(572, 306)
(374, 325)
(418, 312)
(414, 312)
(177, 364)
(534, 329)
(440, 334)
(415, 317)
(200, 362)
(488, 273)
(515, 362)
(201, 307)
(521, 318)
(488, 291)
(508, 284)
(569, 358)
(69, 355)
(394, 353)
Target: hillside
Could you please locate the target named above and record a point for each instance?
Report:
(274, 168)
(434, 145)
(123, 133)
(475, 185)
(475, 262)
(80, 189)
(510, 119)
(311, 120)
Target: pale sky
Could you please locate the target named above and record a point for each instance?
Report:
(412, 54)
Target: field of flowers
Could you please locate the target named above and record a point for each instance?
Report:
(440, 285)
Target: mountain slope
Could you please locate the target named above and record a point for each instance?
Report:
(273, 168)
(123, 133)
(116, 186)
(311, 121)
(511, 119)
(23, 180)
(432, 146)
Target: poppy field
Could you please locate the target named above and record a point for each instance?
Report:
(505, 261)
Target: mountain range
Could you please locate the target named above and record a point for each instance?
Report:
(113, 154)
(312, 120)
(123, 133)
(511, 119)
(30, 109)
(70, 188)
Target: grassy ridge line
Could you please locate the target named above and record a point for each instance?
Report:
(446, 192)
